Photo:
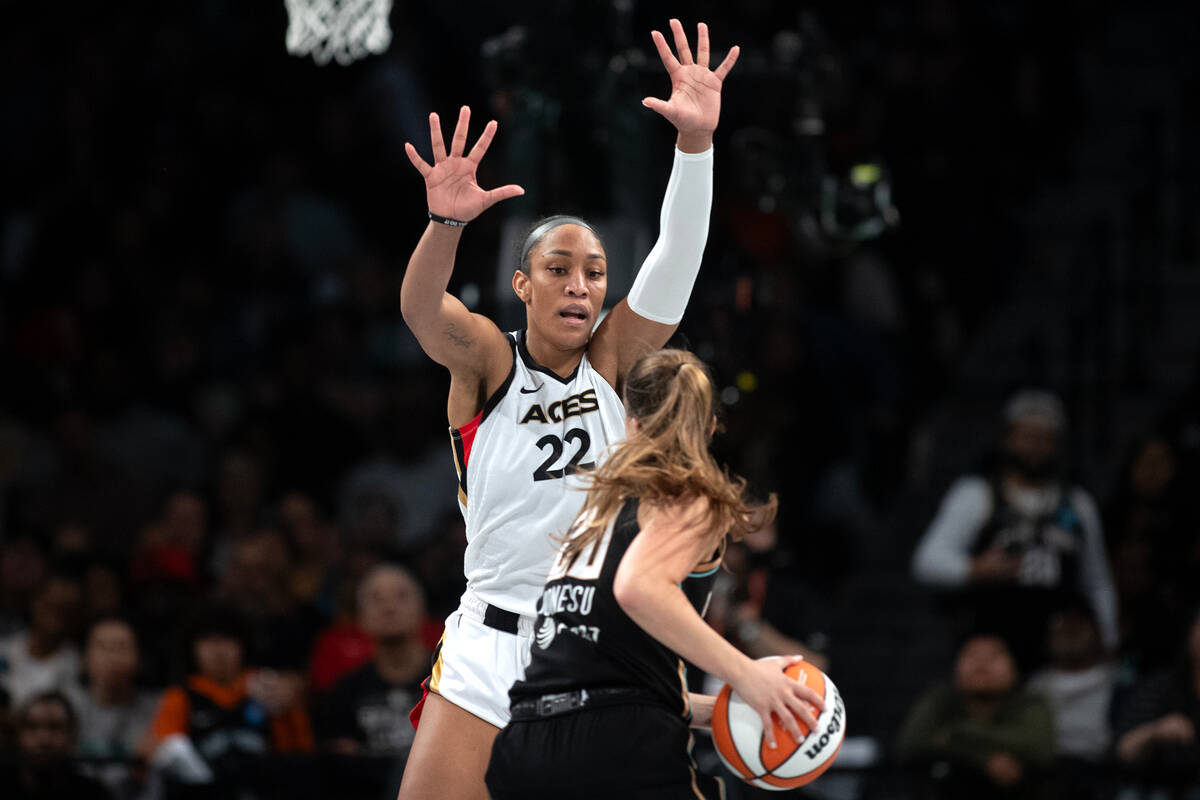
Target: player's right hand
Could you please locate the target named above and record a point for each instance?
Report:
(766, 689)
(450, 186)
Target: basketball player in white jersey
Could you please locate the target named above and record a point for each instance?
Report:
(528, 409)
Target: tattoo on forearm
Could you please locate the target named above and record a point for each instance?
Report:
(459, 339)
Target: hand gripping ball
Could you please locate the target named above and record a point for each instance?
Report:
(738, 734)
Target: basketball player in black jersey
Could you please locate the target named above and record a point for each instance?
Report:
(603, 710)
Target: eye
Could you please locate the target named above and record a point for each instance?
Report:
(557, 270)
(596, 274)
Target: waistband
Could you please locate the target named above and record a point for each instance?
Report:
(475, 607)
(553, 705)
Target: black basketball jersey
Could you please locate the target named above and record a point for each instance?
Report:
(584, 640)
(219, 732)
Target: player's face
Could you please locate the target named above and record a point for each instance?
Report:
(564, 289)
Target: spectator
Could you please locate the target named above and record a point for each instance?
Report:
(166, 571)
(22, 570)
(210, 729)
(42, 657)
(1151, 526)
(983, 736)
(257, 583)
(367, 710)
(1078, 686)
(1016, 538)
(46, 734)
(113, 713)
(1156, 725)
(735, 609)
(315, 544)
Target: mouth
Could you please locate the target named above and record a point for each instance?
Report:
(575, 314)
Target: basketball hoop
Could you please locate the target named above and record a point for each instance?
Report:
(346, 30)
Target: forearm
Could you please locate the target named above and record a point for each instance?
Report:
(702, 709)
(1030, 739)
(664, 283)
(427, 276)
(662, 610)
(1133, 744)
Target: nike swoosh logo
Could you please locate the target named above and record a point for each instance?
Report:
(526, 390)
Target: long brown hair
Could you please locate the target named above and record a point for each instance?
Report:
(670, 393)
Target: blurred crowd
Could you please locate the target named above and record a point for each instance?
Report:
(1077, 671)
(228, 531)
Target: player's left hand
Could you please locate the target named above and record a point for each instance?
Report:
(694, 106)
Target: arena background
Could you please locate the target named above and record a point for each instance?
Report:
(202, 240)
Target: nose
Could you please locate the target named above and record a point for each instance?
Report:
(576, 285)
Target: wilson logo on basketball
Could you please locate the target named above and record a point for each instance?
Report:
(835, 725)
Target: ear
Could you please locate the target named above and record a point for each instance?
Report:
(522, 287)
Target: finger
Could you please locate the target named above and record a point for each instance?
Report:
(459, 142)
(790, 660)
(501, 193)
(809, 696)
(681, 43)
(803, 712)
(654, 104)
(792, 726)
(416, 160)
(485, 141)
(723, 69)
(664, 52)
(435, 136)
(702, 44)
(768, 729)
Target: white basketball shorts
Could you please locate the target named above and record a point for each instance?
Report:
(479, 658)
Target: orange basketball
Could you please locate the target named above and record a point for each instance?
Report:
(738, 734)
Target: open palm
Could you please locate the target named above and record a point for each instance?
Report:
(695, 102)
(450, 186)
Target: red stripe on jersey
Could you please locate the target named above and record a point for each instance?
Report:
(467, 435)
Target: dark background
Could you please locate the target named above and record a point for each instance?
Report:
(202, 240)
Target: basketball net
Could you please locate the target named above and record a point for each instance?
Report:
(346, 30)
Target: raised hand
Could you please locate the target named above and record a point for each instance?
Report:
(694, 107)
(450, 186)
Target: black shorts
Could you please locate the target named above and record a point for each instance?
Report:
(626, 751)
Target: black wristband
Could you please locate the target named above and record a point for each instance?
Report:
(454, 223)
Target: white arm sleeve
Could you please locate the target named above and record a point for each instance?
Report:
(1095, 578)
(664, 283)
(943, 557)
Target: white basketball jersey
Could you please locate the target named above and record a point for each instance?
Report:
(517, 465)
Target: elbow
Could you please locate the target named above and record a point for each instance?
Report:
(930, 569)
(628, 595)
(407, 308)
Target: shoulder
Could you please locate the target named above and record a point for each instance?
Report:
(973, 490)
(689, 511)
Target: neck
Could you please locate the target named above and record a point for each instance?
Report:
(1018, 481)
(561, 362)
(981, 707)
(42, 646)
(400, 658)
(111, 694)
